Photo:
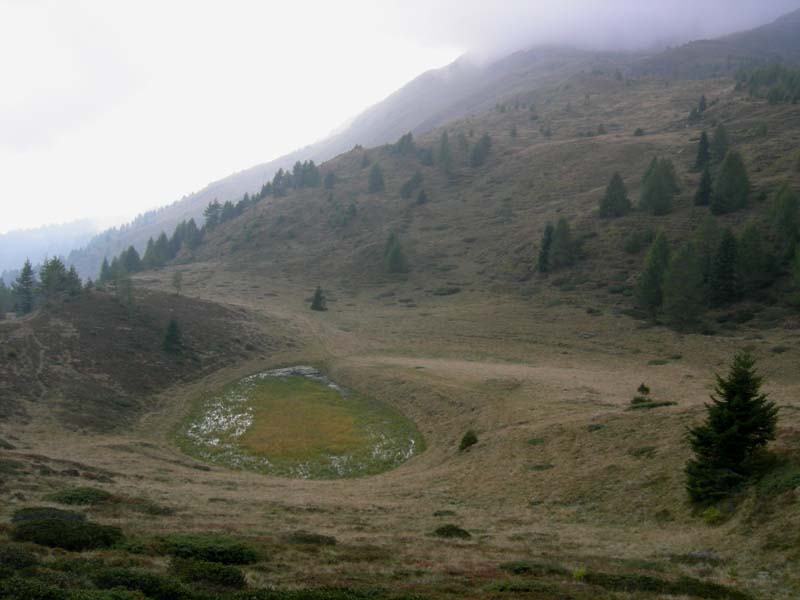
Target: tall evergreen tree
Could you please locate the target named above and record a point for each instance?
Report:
(615, 201)
(105, 270)
(53, 277)
(563, 250)
(732, 186)
(706, 243)
(755, 265)
(212, 214)
(543, 262)
(786, 221)
(720, 144)
(649, 287)
(330, 180)
(683, 293)
(318, 302)
(480, 151)
(702, 105)
(724, 283)
(173, 338)
(444, 157)
(422, 197)
(376, 183)
(192, 236)
(739, 422)
(703, 152)
(659, 185)
(705, 189)
(130, 260)
(394, 257)
(24, 289)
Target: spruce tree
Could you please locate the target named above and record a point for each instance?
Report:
(732, 186)
(702, 105)
(24, 289)
(649, 287)
(705, 189)
(563, 248)
(724, 283)
(173, 339)
(445, 155)
(394, 258)
(212, 214)
(543, 262)
(755, 265)
(659, 185)
(422, 197)
(105, 270)
(719, 143)
(706, 243)
(53, 277)
(703, 152)
(786, 221)
(480, 151)
(318, 302)
(683, 293)
(740, 421)
(376, 183)
(615, 201)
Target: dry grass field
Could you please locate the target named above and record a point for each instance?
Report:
(543, 369)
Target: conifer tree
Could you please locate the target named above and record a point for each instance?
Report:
(563, 248)
(702, 105)
(543, 262)
(786, 221)
(724, 283)
(173, 339)
(703, 152)
(649, 287)
(408, 188)
(105, 269)
(445, 155)
(24, 289)
(376, 183)
(394, 258)
(755, 265)
(212, 214)
(705, 189)
(330, 180)
(719, 143)
(740, 421)
(732, 186)
(706, 243)
(682, 288)
(53, 277)
(422, 197)
(318, 302)
(192, 235)
(480, 151)
(615, 201)
(659, 185)
(130, 260)
(72, 282)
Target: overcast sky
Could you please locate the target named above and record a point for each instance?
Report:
(110, 107)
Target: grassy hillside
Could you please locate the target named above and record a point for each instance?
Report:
(571, 491)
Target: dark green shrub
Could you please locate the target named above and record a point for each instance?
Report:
(17, 558)
(527, 567)
(211, 547)
(313, 539)
(470, 439)
(80, 496)
(685, 586)
(451, 531)
(207, 573)
(17, 588)
(69, 535)
(638, 240)
(157, 587)
(45, 513)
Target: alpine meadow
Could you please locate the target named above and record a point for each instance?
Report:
(529, 327)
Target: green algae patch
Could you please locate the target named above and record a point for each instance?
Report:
(295, 422)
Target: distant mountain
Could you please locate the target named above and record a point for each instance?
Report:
(459, 89)
(36, 244)
(776, 41)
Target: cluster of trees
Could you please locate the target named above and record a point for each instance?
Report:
(715, 269)
(777, 83)
(558, 248)
(730, 189)
(476, 156)
(54, 279)
(157, 253)
(303, 175)
(480, 151)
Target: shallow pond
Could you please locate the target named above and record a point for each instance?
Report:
(295, 422)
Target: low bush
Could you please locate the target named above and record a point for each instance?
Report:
(157, 587)
(211, 547)
(311, 539)
(470, 439)
(685, 586)
(206, 573)
(45, 513)
(17, 557)
(638, 240)
(82, 496)
(451, 531)
(69, 535)
(527, 567)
